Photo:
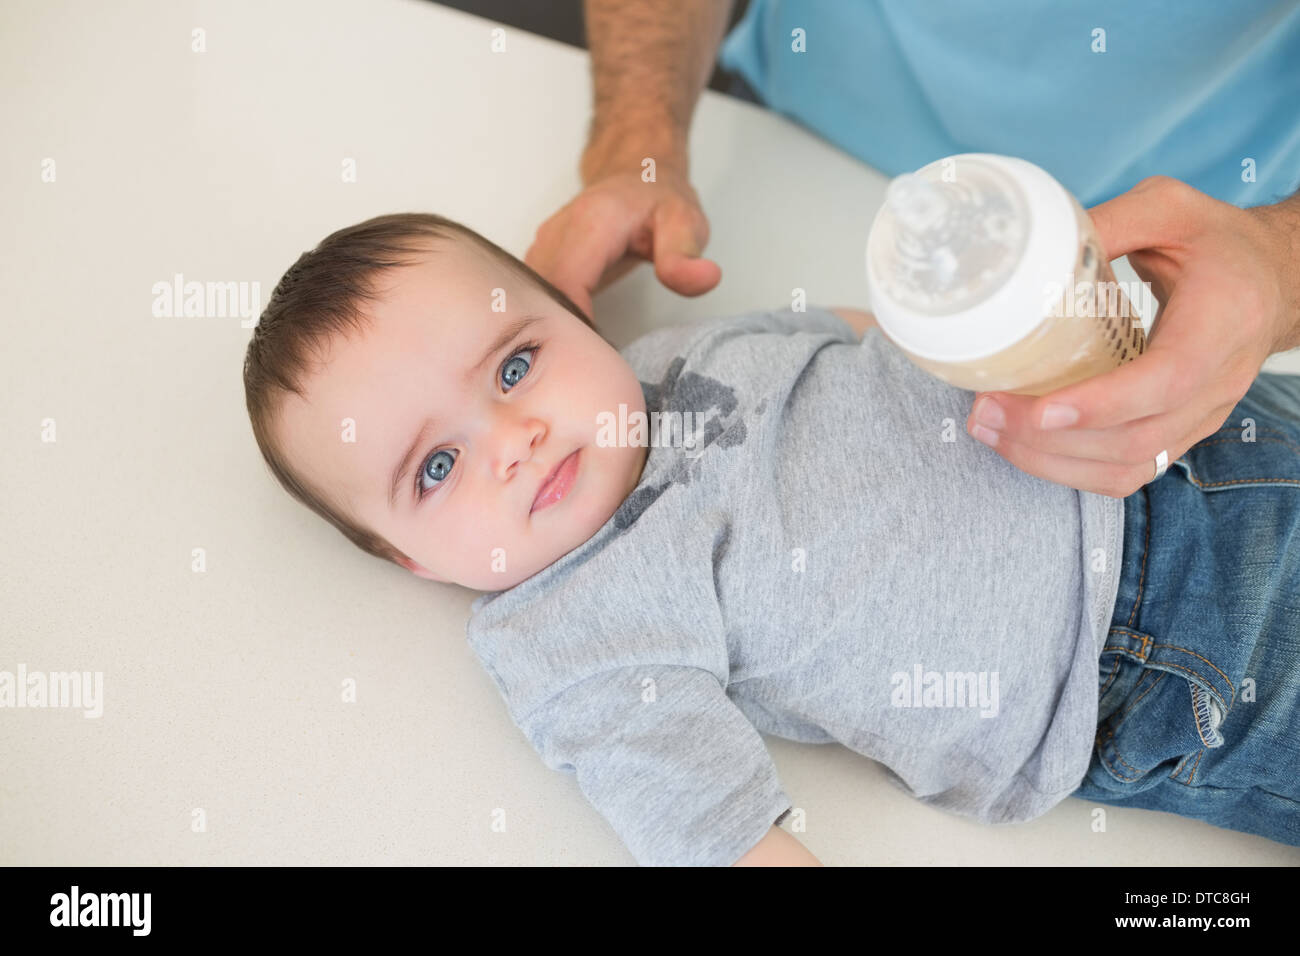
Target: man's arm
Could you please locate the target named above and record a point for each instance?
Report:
(650, 59)
(1284, 218)
(778, 848)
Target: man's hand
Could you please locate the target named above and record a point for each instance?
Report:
(619, 221)
(1227, 282)
(649, 62)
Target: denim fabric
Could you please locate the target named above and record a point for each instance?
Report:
(1199, 679)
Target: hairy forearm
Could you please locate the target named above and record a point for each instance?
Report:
(1283, 219)
(650, 59)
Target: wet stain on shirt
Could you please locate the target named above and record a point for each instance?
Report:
(701, 395)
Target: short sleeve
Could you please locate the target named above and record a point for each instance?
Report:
(668, 760)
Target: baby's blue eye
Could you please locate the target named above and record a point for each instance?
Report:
(438, 465)
(510, 366)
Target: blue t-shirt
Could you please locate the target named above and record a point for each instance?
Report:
(1208, 93)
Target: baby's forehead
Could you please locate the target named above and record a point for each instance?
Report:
(458, 262)
(437, 312)
(321, 432)
(414, 328)
(451, 289)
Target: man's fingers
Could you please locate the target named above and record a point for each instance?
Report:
(1117, 480)
(687, 275)
(681, 232)
(618, 270)
(577, 261)
(1151, 384)
(1099, 477)
(1132, 443)
(1216, 420)
(1149, 215)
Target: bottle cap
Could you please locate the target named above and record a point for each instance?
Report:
(965, 252)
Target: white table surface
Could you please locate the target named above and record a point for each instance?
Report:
(222, 688)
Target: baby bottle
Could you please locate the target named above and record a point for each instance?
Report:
(986, 272)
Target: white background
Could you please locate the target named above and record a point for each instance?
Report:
(223, 688)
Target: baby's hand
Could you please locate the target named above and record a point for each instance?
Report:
(778, 848)
(856, 319)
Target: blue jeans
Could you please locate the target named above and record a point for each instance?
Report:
(1199, 679)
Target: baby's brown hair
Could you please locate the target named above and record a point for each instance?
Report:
(323, 295)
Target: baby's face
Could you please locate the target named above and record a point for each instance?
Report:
(482, 439)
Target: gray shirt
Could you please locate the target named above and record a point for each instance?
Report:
(835, 560)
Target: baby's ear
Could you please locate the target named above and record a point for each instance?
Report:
(418, 570)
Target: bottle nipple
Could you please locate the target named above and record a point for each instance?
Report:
(924, 215)
(943, 245)
(918, 205)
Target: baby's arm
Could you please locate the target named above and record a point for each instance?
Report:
(778, 848)
(857, 320)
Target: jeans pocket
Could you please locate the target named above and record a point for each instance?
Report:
(1258, 445)
(1156, 713)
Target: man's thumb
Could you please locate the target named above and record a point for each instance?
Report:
(674, 242)
(1141, 218)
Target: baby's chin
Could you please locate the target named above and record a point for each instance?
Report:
(573, 531)
(503, 581)
(605, 478)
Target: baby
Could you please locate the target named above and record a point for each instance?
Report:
(757, 525)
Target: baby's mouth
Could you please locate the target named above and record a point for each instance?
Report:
(558, 483)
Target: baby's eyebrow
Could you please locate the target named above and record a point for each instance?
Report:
(508, 334)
